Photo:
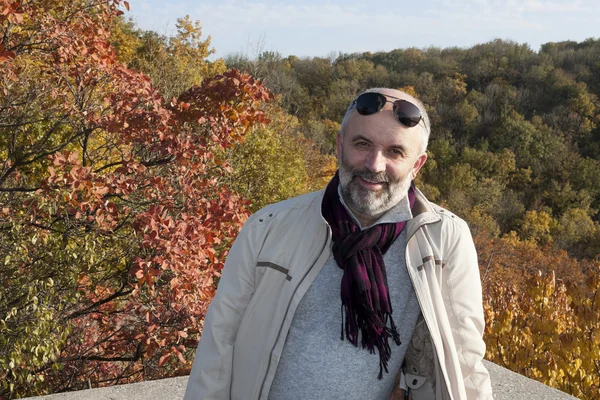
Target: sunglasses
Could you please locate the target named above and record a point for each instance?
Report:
(405, 112)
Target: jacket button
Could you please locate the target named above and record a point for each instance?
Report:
(415, 382)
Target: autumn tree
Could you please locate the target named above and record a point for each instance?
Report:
(548, 332)
(115, 214)
(278, 162)
(541, 310)
(173, 63)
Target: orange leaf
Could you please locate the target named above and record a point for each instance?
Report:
(163, 359)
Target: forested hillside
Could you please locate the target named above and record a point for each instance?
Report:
(129, 161)
(515, 132)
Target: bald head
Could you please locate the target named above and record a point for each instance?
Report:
(423, 126)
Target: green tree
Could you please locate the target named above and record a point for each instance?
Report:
(174, 63)
(277, 162)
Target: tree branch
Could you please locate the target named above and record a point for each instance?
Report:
(117, 294)
(19, 189)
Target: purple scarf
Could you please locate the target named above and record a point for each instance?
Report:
(364, 288)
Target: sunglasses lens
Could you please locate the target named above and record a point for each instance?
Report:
(370, 103)
(407, 113)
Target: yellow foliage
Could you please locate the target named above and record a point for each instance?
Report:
(537, 227)
(574, 226)
(276, 162)
(174, 64)
(410, 91)
(192, 51)
(124, 39)
(548, 332)
(480, 221)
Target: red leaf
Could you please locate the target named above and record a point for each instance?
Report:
(163, 359)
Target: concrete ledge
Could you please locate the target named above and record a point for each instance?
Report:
(507, 386)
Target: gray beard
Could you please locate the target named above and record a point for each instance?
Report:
(368, 202)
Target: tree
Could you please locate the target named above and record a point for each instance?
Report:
(537, 227)
(549, 332)
(277, 162)
(575, 233)
(115, 214)
(173, 63)
(277, 74)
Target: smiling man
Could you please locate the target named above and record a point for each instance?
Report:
(364, 290)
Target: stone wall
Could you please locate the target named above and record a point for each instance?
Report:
(507, 386)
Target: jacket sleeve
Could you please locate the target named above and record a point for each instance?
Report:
(210, 378)
(467, 318)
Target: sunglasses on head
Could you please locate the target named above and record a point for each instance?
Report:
(405, 112)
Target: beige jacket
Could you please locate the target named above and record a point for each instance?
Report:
(274, 260)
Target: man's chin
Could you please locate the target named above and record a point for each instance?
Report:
(370, 206)
(374, 203)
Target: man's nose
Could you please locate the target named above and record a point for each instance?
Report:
(375, 162)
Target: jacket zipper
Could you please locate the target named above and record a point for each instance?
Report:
(262, 386)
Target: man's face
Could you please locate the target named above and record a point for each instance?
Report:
(378, 158)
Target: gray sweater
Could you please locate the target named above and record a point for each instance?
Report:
(316, 363)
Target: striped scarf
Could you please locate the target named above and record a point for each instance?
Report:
(364, 288)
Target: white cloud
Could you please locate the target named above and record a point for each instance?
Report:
(518, 8)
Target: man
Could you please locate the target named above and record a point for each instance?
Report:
(333, 294)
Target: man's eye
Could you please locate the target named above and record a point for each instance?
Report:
(396, 152)
(362, 144)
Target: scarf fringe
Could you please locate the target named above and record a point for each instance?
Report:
(374, 333)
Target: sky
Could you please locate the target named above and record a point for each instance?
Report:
(327, 27)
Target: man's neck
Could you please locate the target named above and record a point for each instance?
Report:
(364, 220)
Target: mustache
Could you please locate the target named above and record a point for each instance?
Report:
(379, 177)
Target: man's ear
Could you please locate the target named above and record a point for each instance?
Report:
(418, 165)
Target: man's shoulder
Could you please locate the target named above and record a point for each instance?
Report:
(435, 212)
(444, 219)
(298, 206)
(452, 229)
(446, 215)
(444, 231)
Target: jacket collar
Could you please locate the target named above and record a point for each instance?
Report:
(423, 213)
